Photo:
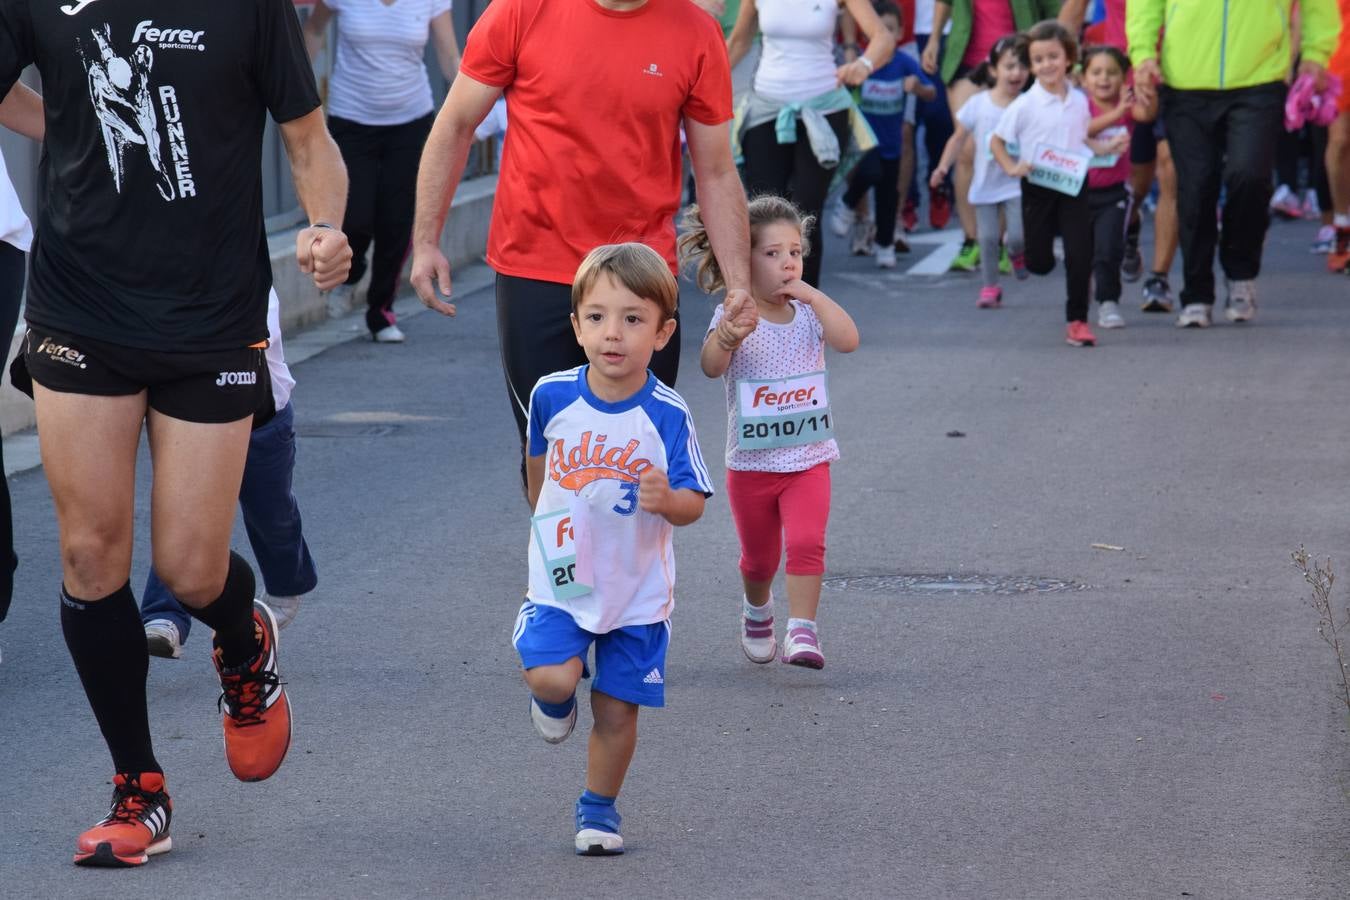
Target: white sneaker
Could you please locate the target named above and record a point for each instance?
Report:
(339, 300)
(885, 255)
(162, 639)
(757, 639)
(1109, 315)
(860, 240)
(555, 731)
(390, 334)
(1241, 301)
(842, 219)
(1194, 315)
(283, 608)
(594, 842)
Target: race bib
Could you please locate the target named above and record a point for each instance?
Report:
(787, 412)
(1059, 170)
(554, 534)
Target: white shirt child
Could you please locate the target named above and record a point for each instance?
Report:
(1040, 117)
(980, 115)
(624, 568)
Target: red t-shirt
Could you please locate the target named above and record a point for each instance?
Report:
(594, 102)
(1120, 172)
(991, 20)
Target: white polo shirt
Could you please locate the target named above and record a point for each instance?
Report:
(1040, 117)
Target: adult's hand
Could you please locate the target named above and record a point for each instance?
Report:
(430, 269)
(324, 253)
(1317, 71)
(1147, 77)
(929, 59)
(853, 73)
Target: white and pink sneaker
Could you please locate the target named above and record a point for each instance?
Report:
(802, 648)
(757, 639)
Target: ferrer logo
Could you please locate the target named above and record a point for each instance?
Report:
(168, 38)
(764, 396)
(591, 461)
(62, 353)
(236, 378)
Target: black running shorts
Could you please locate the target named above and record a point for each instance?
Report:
(208, 387)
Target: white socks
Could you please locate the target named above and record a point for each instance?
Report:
(1341, 220)
(809, 624)
(757, 613)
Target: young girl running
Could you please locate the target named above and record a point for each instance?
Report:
(770, 353)
(1049, 125)
(1114, 110)
(995, 196)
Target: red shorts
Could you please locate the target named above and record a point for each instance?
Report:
(770, 506)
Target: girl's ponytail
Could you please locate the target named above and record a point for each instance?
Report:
(695, 251)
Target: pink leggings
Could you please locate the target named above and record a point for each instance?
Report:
(768, 505)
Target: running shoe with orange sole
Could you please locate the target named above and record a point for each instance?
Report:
(256, 713)
(136, 828)
(1339, 258)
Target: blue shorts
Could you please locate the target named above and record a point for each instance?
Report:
(630, 662)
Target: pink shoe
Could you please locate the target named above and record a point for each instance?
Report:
(802, 648)
(1080, 335)
(990, 297)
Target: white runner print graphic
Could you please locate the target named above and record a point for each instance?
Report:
(124, 101)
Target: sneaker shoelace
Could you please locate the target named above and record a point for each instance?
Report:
(130, 802)
(243, 694)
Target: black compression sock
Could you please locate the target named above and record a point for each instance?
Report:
(107, 643)
(231, 615)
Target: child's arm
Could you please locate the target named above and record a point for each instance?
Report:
(739, 318)
(920, 88)
(841, 334)
(1110, 146)
(1015, 169)
(682, 506)
(1100, 123)
(949, 154)
(534, 478)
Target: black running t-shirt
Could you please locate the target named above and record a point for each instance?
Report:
(150, 231)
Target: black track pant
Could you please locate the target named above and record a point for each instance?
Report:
(11, 292)
(382, 174)
(1046, 213)
(1223, 139)
(791, 171)
(534, 326)
(883, 176)
(1110, 208)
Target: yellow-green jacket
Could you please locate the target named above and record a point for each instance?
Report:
(1227, 44)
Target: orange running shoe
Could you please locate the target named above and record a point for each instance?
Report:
(136, 829)
(1339, 258)
(256, 710)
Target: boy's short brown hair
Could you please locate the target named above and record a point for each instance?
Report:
(635, 266)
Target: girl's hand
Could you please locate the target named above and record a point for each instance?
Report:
(739, 318)
(798, 290)
(1022, 169)
(1126, 101)
(938, 176)
(1119, 144)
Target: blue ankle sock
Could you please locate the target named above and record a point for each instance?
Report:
(557, 710)
(597, 811)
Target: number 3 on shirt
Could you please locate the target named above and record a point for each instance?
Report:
(630, 496)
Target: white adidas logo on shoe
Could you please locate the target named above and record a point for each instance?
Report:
(654, 677)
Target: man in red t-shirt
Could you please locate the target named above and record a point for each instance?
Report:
(596, 93)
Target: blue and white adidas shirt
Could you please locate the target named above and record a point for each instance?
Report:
(593, 552)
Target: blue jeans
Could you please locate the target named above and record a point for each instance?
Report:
(271, 518)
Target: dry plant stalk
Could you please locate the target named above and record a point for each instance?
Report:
(1320, 578)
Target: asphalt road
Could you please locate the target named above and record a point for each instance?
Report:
(1163, 726)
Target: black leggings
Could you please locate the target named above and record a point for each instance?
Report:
(883, 175)
(534, 326)
(792, 171)
(12, 262)
(382, 173)
(1046, 213)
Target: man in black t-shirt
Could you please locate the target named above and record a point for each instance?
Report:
(147, 303)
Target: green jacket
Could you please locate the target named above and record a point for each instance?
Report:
(1227, 44)
(1025, 14)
